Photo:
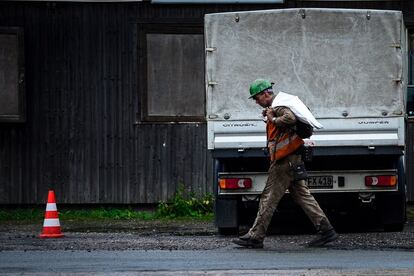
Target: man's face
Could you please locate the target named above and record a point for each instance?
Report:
(261, 99)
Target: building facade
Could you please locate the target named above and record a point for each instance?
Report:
(104, 102)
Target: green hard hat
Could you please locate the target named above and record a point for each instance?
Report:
(259, 86)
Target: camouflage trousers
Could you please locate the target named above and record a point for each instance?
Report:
(281, 178)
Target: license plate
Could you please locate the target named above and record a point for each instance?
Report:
(320, 182)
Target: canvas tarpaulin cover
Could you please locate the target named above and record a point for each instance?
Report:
(338, 62)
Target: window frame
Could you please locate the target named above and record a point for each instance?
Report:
(162, 28)
(20, 115)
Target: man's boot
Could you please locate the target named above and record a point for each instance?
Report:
(248, 241)
(324, 238)
(326, 233)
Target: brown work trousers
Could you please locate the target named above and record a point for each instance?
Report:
(281, 177)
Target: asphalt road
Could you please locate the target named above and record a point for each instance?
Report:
(195, 248)
(310, 261)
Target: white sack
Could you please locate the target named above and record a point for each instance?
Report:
(297, 107)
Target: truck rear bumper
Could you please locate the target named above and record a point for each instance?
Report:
(319, 182)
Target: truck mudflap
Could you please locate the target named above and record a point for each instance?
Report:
(227, 221)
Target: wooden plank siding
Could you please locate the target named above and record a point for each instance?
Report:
(83, 135)
(83, 99)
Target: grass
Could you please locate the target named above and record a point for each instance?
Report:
(183, 205)
(33, 213)
(107, 213)
(36, 213)
(115, 213)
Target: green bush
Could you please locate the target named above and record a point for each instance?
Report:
(184, 204)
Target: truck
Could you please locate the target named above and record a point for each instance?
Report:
(349, 66)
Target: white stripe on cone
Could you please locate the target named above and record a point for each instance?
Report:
(51, 207)
(51, 222)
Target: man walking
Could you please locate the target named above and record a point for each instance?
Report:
(284, 147)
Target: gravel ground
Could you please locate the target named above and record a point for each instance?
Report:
(168, 235)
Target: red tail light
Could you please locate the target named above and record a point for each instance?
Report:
(235, 183)
(381, 180)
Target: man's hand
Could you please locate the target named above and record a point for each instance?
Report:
(268, 112)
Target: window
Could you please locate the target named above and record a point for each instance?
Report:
(12, 100)
(173, 69)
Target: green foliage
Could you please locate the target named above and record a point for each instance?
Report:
(106, 213)
(75, 213)
(184, 204)
(21, 214)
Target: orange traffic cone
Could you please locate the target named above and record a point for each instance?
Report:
(51, 225)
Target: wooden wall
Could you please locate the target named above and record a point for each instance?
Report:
(83, 100)
(83, 135)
